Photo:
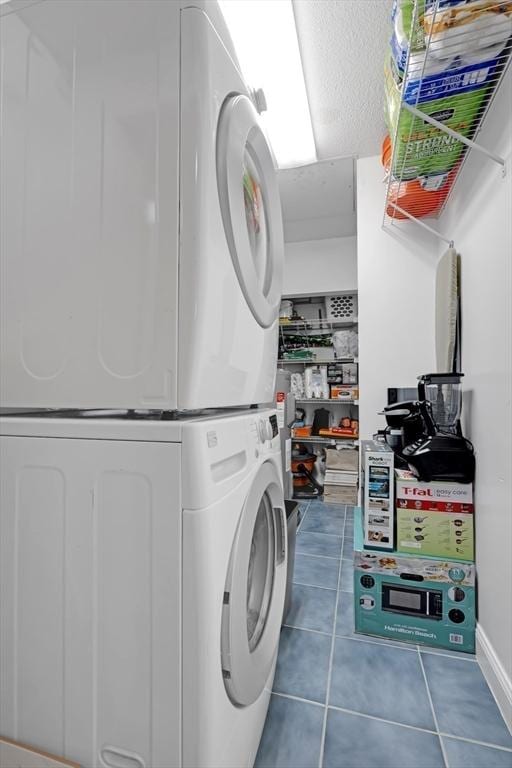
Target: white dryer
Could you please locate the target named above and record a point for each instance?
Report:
(143, 570)
(142, 249)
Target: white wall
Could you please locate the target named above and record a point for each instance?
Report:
(396, 294)
(479, 219)
(320, 266)
(396, 338)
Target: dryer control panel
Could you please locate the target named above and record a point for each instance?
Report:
(267, 428)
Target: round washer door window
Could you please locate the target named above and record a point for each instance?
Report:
(255, 588)
(250, 206)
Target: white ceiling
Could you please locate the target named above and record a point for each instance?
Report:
(318, 200)
(343, 46)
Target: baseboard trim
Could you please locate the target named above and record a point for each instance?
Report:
(494, 672)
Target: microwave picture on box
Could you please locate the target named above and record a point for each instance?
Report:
(413, 602)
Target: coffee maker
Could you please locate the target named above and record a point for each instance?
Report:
(426, 434)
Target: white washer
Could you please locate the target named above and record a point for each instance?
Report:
(143, 570)
(142, 251)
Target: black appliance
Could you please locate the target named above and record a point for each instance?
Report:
(426, 433)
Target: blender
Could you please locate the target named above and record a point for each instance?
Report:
(443, 392)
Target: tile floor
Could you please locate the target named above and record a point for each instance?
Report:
(342, 700)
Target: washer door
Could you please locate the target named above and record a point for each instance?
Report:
(250, 206)
(255, 589)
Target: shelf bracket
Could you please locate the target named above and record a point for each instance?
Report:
(473, 145)
(422, 224)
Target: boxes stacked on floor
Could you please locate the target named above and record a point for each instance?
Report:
(414, 572)
(341, 476)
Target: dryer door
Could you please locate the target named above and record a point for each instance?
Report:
(250, 205)
(255, 589)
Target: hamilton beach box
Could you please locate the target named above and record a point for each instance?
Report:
(427, 600)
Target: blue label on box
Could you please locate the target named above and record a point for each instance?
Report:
(459, 78)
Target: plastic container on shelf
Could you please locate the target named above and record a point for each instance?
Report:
(423, 150)
(420, 197)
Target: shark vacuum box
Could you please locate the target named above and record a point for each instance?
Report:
(427, 600)
(377, 463)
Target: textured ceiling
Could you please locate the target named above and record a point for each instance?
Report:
(343, 44)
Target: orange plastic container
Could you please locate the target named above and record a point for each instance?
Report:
(412, 195)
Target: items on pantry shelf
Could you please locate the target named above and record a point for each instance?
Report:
(305, 484)
(315, 382)
(344, 392)
(347, 428)
(286, 309)
(301, 431)
(297, 385)
(321, 419)
(345, 343)
(297, 354)
(341, 476)
(342, 373)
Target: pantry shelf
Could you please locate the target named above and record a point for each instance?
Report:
(316, 325)
(285, 361)
(337, 400)
(444, 69)
(325, 440)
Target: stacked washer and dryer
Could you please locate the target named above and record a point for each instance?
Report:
(143, 534)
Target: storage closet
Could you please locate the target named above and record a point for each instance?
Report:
(318, 345)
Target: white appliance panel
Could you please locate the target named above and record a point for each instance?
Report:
(91, 248)
(228, 358)
(107, 579)
(90, 204)
(91, 583)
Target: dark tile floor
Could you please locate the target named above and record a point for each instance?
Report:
(342, 700)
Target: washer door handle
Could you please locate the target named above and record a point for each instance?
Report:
(114, 757)
(280, 529)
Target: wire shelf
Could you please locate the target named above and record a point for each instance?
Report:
(305, 324)
(337, 400)
(442, 75)
(316, 361)
(325, 440)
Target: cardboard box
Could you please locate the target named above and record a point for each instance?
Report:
(440, 534)
(345, 459)
(340, 494)
(426, 601)
(377, 461)
(409, 488)
(341, 477)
